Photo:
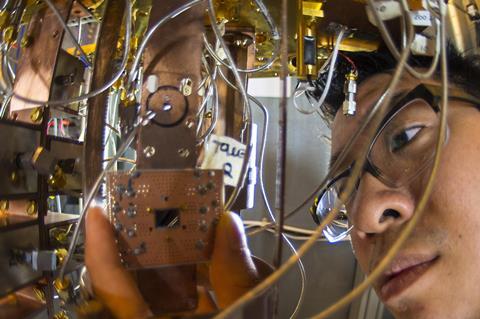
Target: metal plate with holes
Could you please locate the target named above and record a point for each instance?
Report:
(16, 140)
(16, 275)
(164, 217)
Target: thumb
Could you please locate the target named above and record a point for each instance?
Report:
(111, 282)
(232, 270)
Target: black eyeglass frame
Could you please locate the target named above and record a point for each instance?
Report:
(430, 94)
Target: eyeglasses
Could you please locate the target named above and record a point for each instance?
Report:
(401, 150)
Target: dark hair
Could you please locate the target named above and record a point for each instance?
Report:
(464, 71)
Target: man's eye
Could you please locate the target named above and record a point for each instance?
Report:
(403, 138)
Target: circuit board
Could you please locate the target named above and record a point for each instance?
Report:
(164, 217)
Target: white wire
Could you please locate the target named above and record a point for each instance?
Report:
(149, 34)
(328, 83)
(248, 151)
(261, 158)
(214, 90)
(279, 273)
(91, 196)
(391, 45)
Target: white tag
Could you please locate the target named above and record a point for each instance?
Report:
(387, 10)
(223, 152)
(421, 18)
(423, 46)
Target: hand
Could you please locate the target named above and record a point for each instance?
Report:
(232, 271)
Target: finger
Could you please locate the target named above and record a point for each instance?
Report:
(232, 269)
(111, 282)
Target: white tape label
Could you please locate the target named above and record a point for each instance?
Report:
(421, 18)
(223, 152)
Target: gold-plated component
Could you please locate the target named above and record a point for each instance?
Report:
(61, 284)
(14, 177)
(416, 5)
(32, 208)
(9, 34)
(11, 299)
(149, 210)
(61, 253)
(90, 309)
(26, 41)
(4, 19)
(39, 294)
(61, 315)
(312, 8)
(4, 205)
(58, 179)
(36, 115)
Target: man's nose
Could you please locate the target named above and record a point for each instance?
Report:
(377, 207)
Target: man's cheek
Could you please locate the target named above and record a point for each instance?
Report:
(360, 252)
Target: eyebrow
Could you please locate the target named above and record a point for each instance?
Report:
(397, 97)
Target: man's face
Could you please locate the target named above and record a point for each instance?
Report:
(436, 273)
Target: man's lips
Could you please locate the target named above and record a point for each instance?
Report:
(403, 272)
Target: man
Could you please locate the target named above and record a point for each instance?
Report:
(435, 275)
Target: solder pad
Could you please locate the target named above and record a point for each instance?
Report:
(164, 217)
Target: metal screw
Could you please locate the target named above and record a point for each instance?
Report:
(210, 185)
(32, 208)
(139, 250)
(118, 227)
(131, 212)
(200, 245)
(131, 233)
(116, 208)
(203, 226)
(37, 114)
(183, 152)
(149, 151)
(186, 86)
(202, 190)
(190, 123)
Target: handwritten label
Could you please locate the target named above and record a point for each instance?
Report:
(223, 152)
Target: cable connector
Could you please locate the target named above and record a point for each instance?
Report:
(350, 90)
